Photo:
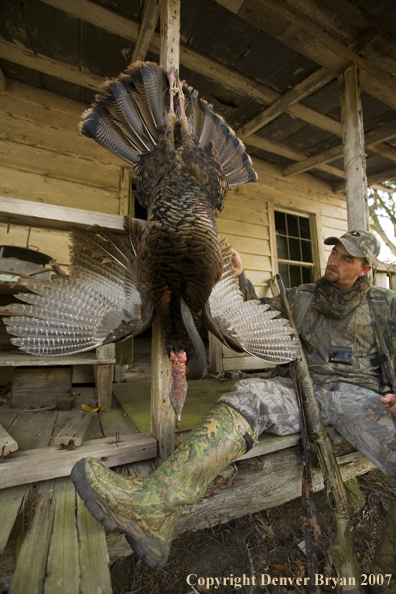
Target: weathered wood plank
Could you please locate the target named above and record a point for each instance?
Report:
(64, 166)
(13, 53)
(63, 570)
(40, 387)
(75, 430)
(163, 420)
(16, 359)
(7, 443)
(93, 554)
(113, 422)
(35, 188)
(354, 150)
(51, 216)
(46, 463)
(149, 23)
(33, 430)
(10, 503)
(37, 134)
(104, 374)
(226, 226)
(32, 560)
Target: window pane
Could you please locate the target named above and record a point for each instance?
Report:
(284, 274)
(280, 222)
(304, 228)
(306, 251)
(295, 276)
(306, 274)
(295, 250)
(292, 225)
(281, 245)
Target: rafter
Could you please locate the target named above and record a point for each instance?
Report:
(278, 149)
(12, 53)
(298, 32)
(149, 23)
(372, 180)
(375, 140)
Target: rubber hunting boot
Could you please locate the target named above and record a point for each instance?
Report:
(146, 509)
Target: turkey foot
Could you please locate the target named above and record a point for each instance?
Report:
(172, 75)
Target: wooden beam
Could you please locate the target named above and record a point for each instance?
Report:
(101, 17)
(13, 53)
(149, 23)
(302, 90)
(342, 19)
(49, 216)
(278, 149)
(372, 180)
(299, 92)
(170, 34)
(41, 464)
(373, 140)
(354, 150)
(315, 161)
(388, 175)
(73, 433)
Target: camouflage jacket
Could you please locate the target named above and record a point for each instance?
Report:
(355, 331)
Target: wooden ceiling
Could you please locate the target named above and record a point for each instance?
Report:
(269, 67)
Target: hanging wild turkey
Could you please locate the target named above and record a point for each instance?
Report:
(186, 157)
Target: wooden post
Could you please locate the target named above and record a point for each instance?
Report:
(353, 148)
(163, 418)
(170, 34)
(104, 375)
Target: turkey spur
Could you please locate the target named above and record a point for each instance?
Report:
(185, 157)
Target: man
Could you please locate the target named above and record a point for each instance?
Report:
(334, 318)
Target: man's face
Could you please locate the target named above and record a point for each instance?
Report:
(342, 269)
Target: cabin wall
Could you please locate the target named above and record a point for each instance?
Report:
(248, 223)
(44, 158)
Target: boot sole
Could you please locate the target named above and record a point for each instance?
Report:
(153, 552)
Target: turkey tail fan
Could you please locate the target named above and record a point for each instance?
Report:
(248, 326)
(101, 302)
(214, 136)
(130, 115)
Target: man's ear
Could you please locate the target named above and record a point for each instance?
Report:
(365, 270)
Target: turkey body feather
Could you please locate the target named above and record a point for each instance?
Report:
(186, 157)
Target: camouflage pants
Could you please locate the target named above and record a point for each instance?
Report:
(355, 412)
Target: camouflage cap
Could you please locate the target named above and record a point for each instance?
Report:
(360, 244)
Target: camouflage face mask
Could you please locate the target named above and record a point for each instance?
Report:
(333, 303)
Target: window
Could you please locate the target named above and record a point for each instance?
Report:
(294, 248)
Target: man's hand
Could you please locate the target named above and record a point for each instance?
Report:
(390, 400)
(237, 262)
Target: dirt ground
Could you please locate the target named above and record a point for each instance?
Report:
(262, 544)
